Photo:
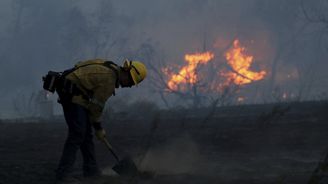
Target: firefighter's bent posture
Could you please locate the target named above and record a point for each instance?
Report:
(83, 92)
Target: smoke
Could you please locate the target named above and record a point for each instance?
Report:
(31, 44)
(178, 156)
(108, 171)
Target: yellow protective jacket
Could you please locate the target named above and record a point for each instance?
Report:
(92, 76)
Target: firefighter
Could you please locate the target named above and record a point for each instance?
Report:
(83, 92)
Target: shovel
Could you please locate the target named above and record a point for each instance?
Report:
(125, 167)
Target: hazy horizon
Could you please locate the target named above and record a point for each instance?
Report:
(37, 36)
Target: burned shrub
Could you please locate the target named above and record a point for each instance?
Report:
(140, 109)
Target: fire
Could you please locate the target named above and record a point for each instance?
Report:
(240, 64)
(188, 74)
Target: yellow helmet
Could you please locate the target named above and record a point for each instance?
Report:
(137, 70)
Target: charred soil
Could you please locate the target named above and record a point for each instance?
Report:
(276, 143)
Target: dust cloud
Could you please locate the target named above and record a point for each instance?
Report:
(179, 155)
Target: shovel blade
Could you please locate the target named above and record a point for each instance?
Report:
(126, 167)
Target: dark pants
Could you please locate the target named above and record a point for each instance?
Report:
(79, 138)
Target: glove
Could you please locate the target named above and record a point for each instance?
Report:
(100, 134)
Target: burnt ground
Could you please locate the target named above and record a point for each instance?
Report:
(277, 143)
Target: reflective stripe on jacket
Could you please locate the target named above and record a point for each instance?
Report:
(97, 82)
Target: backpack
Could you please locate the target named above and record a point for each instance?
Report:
(52, 79)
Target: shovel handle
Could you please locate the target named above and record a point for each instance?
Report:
(110, 148)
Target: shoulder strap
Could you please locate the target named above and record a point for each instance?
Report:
(108, 64)
(113, 66)
(89, 62)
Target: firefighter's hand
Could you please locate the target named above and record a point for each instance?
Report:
(100, 134)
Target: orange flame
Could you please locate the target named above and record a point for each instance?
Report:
(239, 74)
(240, 64)
(187, 74)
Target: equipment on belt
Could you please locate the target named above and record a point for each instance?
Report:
(50, 81)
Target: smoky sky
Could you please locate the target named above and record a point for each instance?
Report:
(37, 36)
